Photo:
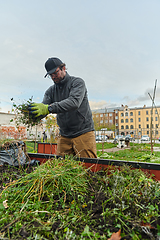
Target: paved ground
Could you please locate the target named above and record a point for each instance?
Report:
(156, 149)
(115, 149)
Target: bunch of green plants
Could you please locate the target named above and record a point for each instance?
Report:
(131, 189)
(63, 200)
(104, 155)
(53, 177)
(22, 115)
(131, 201)
(30, 146)
(42, 196)
(135, 153)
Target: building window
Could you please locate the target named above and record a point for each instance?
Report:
(156, 118)
(122, 120)
(106, 121)
(148, 132)
(139, 119)
(156, 125)
(110, 114)
(147, 125)
(156, 112)
(127, 127)
(101, 121)
(122, 114)
(126, 114)
(139, 125)
(116, 117)
(147, 119)
(146, 112)
(110, 121)
(131, 120)
(131, 113)
(122, 127)
(106, 114)
(139, 113)
(156, 132)
(101, 115)
(131, 127)
(126, 120)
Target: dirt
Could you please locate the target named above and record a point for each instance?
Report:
(9, 173)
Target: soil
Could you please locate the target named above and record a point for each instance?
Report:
(9, 173)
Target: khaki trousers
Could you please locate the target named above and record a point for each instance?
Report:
(81, 146)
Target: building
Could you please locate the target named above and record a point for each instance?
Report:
(106, 118)
(9, 130)
(135, 121)
(138, 121)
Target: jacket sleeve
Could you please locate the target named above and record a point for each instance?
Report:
(72, 102)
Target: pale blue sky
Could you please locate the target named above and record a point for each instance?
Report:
(113, 45)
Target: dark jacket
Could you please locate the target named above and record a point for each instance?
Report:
(69, 100)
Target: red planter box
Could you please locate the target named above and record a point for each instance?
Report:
(49, 148)
(98, 164)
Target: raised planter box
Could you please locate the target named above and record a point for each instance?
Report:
(98, 164)
(49, 148)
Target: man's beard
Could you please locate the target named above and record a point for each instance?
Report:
(57, 80)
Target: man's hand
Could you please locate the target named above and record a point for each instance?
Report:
(38, 109)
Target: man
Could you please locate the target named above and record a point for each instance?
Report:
(44, 136)
(67, 97)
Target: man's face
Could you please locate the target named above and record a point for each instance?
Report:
(58, 75)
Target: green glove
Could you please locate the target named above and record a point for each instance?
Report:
(39, 109)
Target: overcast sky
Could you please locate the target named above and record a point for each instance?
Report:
(113, 45)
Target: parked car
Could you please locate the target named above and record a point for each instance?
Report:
(101, 138)
(98, 138)
(145, 138)
(117, 138)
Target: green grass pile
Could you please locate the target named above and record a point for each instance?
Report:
(62, 200)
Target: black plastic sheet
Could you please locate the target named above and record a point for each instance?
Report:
(14, 154)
